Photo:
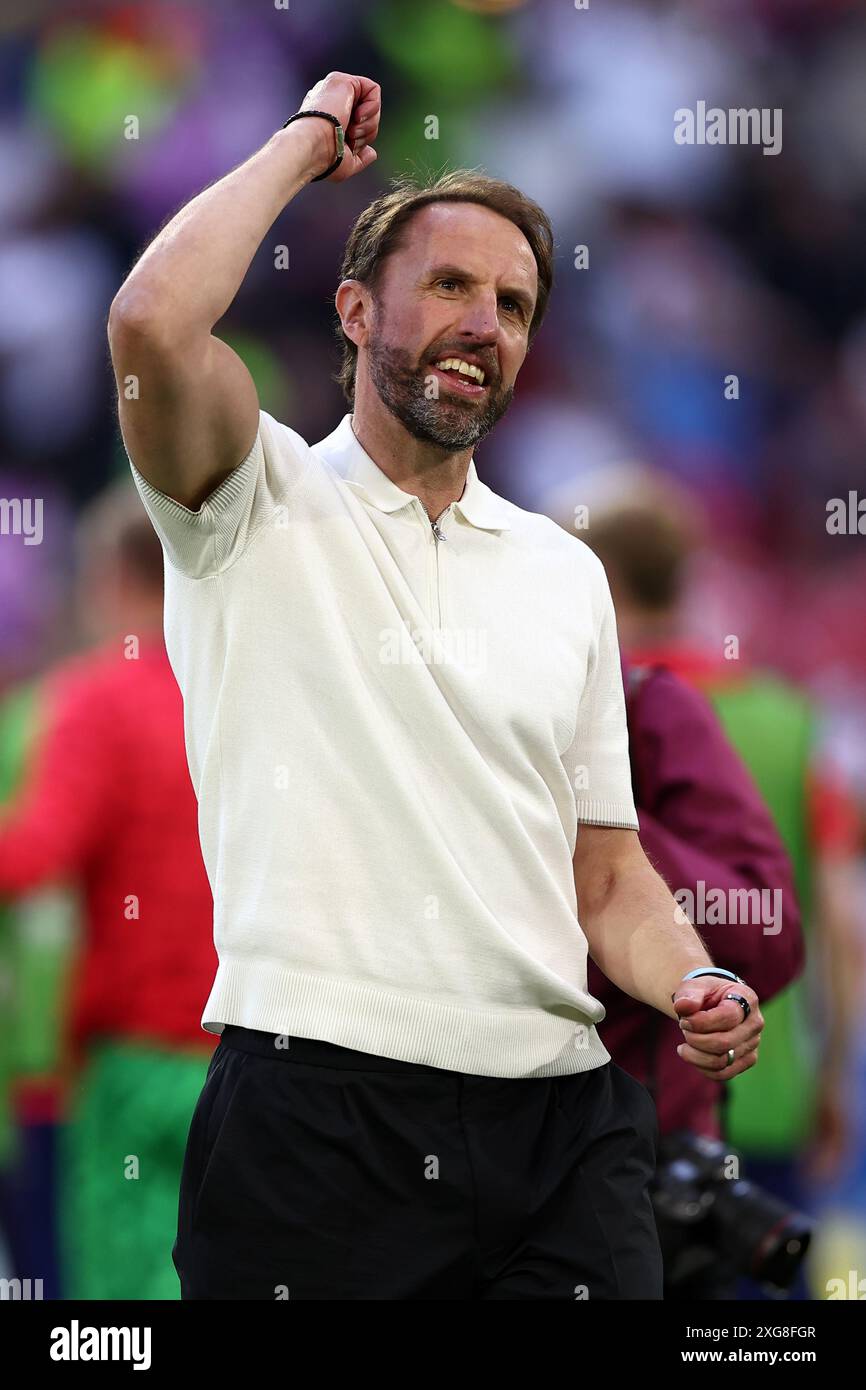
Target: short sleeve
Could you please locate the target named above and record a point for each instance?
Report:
(598, 760)
(204, 542)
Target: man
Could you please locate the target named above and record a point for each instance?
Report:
(402, 694)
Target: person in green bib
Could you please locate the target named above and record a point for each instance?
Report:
(788, 1117)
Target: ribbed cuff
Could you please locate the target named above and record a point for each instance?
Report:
(611, 813)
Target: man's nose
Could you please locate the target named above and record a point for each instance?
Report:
(480, 319)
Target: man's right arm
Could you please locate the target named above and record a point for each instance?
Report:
(192, 415)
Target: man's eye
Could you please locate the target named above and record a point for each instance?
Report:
(446, 281)
(512, 302)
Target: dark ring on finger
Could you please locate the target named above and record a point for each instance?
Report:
(744, 1004)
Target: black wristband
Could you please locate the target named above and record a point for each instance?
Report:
(340, 140)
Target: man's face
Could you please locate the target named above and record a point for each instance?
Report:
(462, 285)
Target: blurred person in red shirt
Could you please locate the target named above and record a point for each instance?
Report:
(106, 804)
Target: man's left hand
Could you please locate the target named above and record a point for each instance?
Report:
(711, 1024)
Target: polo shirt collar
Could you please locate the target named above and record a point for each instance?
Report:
(478, 504)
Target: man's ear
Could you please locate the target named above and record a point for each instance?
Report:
(354, 305)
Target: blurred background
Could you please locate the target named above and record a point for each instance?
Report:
(701, 262)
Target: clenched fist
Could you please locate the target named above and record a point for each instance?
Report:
(357, 104)
(714, 1024)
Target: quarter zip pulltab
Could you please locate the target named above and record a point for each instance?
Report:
(438, 535)
(437, 529)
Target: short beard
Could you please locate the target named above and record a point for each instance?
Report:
(450, 425)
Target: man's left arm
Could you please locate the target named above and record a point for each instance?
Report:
(641, 939)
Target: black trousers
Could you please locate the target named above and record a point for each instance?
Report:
(314, 1171)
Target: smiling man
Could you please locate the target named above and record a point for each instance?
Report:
(410, 856)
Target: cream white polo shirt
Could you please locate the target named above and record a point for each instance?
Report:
(392, 736)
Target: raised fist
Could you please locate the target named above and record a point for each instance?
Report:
(357, 104)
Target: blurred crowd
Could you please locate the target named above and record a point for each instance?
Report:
(679, 269)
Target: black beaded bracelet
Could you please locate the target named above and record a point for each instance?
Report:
(340, 140)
